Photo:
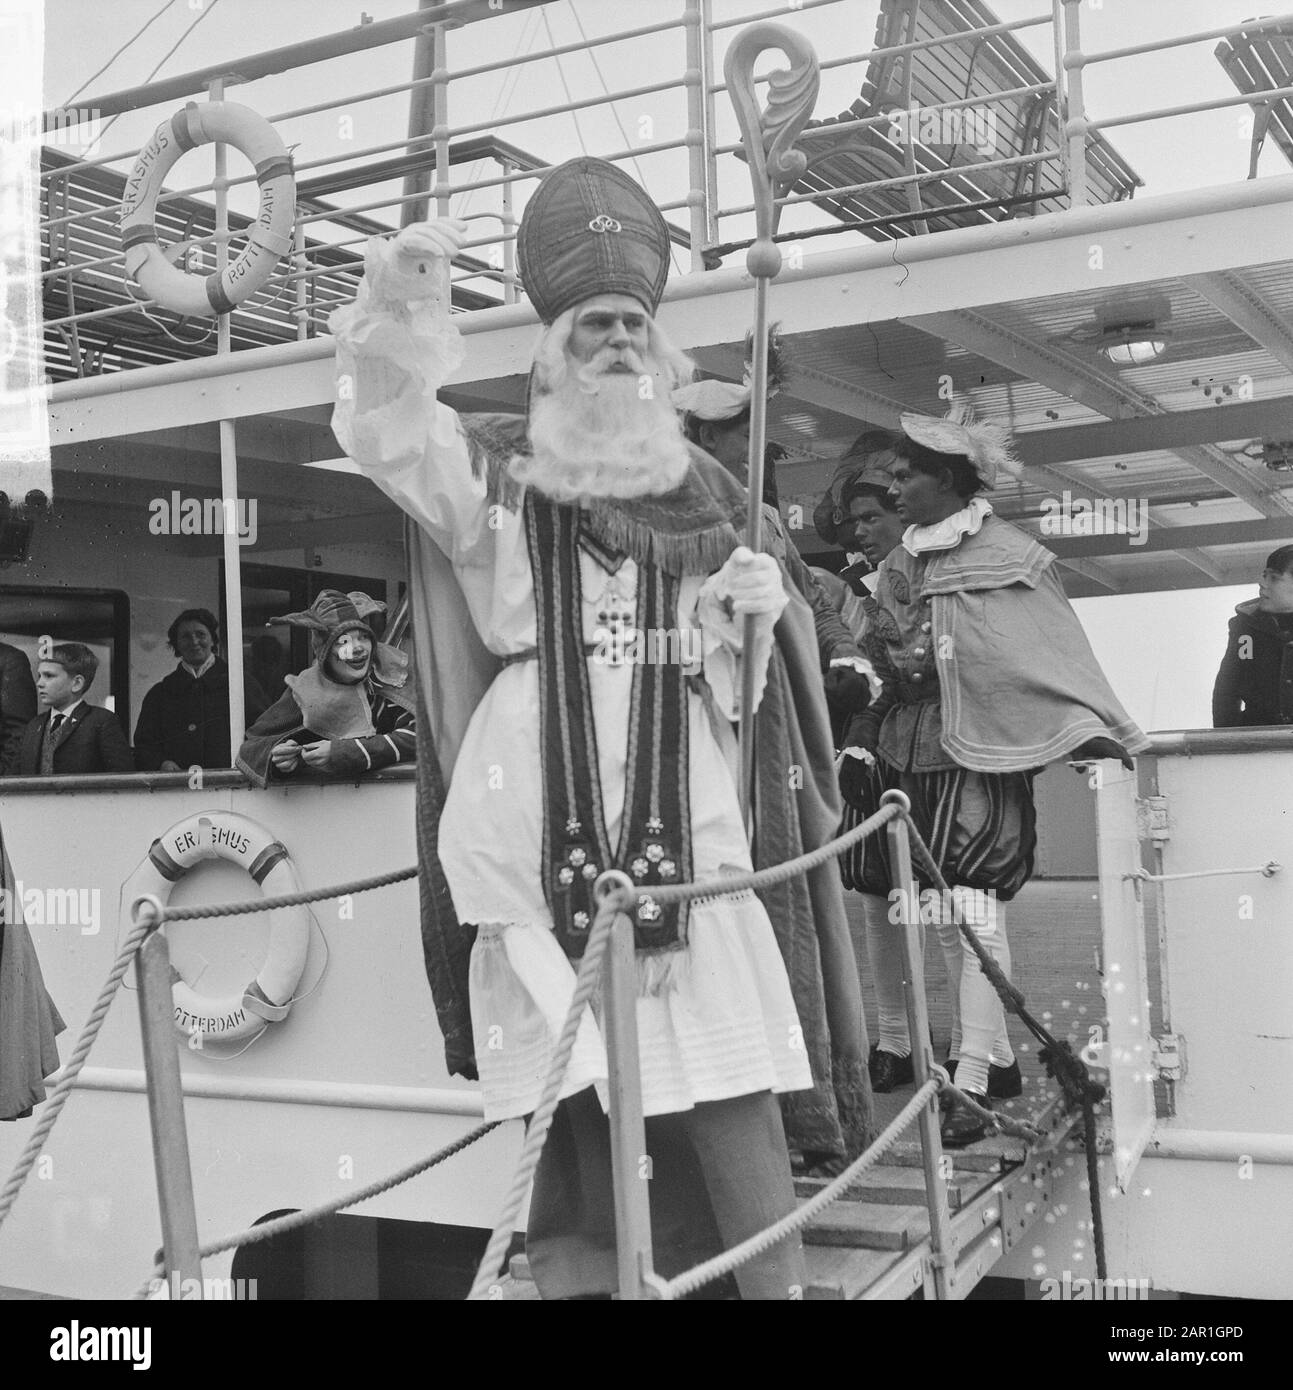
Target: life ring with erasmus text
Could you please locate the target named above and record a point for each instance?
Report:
(267, 999)
(268, 238)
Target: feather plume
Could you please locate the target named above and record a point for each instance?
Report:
(779, 364)
(987, 446)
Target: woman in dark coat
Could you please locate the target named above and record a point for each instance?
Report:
(1255, 683)
(185, 717)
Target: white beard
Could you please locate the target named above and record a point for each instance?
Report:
(593, 434)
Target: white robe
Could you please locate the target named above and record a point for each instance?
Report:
(727, 1026)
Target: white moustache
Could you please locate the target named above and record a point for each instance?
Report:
(590, 375)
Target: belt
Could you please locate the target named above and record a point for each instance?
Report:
(909, 694)
(532, 653)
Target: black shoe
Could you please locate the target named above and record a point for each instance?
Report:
(961, 1126)
(1004, 1083)
(889, 1072)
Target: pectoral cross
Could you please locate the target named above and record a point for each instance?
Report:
(615, 613)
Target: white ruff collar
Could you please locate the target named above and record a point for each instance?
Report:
(943, 535)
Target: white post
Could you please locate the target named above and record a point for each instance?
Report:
(698, 134)
(1075, 126)
(931, 1143)
(440, 89)
(630, 1164)
(228, 467)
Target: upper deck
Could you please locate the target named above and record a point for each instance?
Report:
(987, 244)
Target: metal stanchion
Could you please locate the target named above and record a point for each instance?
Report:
(166, 1115)
(943, 1258)
(630, 1165)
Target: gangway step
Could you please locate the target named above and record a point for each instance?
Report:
(897, 1186)
(837, 1274)
(868, 1226)
(993, 1155)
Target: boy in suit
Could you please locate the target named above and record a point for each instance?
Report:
(72, 736)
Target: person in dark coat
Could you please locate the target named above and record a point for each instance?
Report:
(17, 697)
(72, 736)
(1255, 682)
(184, 721)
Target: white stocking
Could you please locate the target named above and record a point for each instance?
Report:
(978, 1019)
(884, 949)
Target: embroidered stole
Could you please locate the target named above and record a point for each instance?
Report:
(655, 835)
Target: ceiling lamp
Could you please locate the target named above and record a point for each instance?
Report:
(1277, 455)
(1132, 344)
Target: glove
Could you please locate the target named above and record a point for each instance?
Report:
(752, 583)
(441, 236)
(414, 265)
(856, 765)
(847, 691)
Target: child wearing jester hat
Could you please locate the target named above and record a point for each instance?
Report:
(350, 712)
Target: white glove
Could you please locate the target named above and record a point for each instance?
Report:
(441, 236)
(864, 755)
(413, 266)
(752, 583)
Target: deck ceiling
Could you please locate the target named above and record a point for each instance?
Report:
(1031, 364)
(872, 336)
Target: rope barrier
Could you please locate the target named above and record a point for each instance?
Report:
(590, 967)
(1062, 1065)
(777, 873)
(58, 1096)
(268, 1229)
(734, 1258)
(152, 916)
(315, 895)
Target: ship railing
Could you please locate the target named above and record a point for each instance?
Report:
(83, 274)
(608, 962)
(81, 195)
(177, 1270)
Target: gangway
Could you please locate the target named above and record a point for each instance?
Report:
(874, 1245)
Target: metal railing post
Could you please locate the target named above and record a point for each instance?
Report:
(630, 1165)
(922, 1055)
(698, 136)
(711, 127)
(440, 113)
(1061, 91)
(301, 262)
(228, 466)
(509, 237)
(1075, 127)
(166, 1117)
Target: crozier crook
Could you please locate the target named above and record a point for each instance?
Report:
(775, 165)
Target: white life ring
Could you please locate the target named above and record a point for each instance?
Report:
(269, 237)
(224, 835)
